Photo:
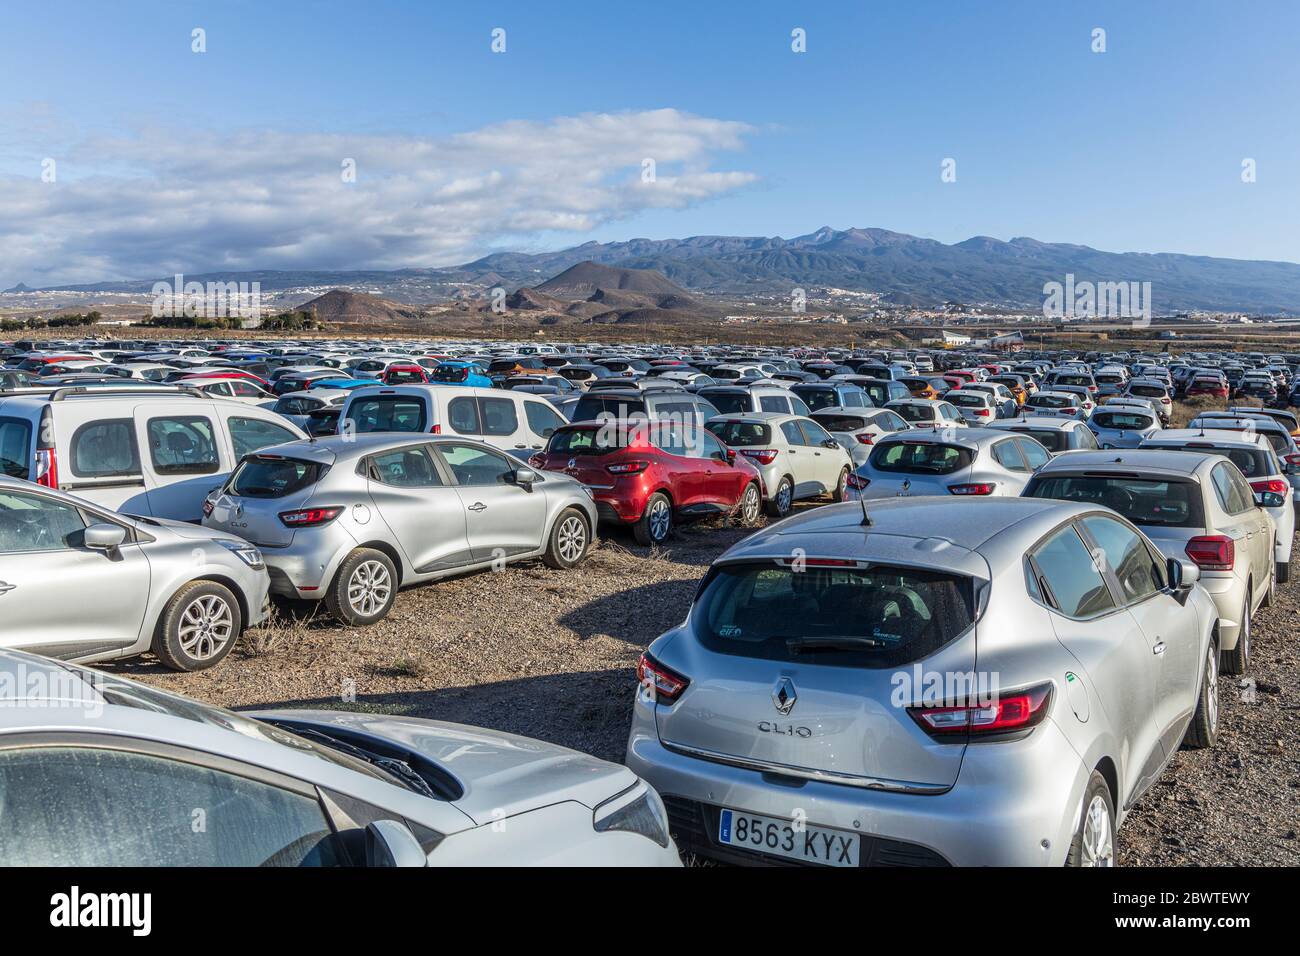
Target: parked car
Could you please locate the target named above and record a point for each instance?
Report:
(1155, 390)
(511, 421)
(460, 373)
(1255, 459)
(928, 413)
(739, 400)
(350, 519)
(298, 406)
(788, 719)
(144, 450)
(1123, 427)
(234, 389)
(976, 407)
(1191, 506)
(796, 456)
(1055, 434)
(294, 787)
(836, 395)
(966, 462)
(624, 404)
(858, 429)
(80, 582)
(651, 475)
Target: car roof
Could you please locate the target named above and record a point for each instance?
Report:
(1040, 422)
(1217, 436)
(1147, 462)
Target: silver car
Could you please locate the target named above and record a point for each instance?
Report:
(930, 682)
(81, 583)
(958, 461)
(1192, 506)
(1116, 427)
(293, 788)
(1055, 434)
(350, 519)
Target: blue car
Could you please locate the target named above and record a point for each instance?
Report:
(460, 373)
(342, 382)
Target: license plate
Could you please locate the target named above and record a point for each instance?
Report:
(801, 841)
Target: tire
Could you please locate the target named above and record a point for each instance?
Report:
(1203, 731)
(656, 522)
(1094, 840)
(782, 499)
(1267, 600)
(198, 627)
(570, 541)
(1283, 572)
(364, 589)
(841, 487)
(1237, 660)
(750, 507)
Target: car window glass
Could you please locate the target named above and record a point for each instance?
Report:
(813, 433)
(385, 413)
(405, 468)
(462, 416)
(182, 445)
(1035, 454)
(475, 465)
(1007, 454)
(78, 806)
(105, 449)
(542, 420)
(498, 416)
(1074, 581)
(15, 451)
(1126, 555)
(793, 435)
(248, 435)
(774, 403)
(37, 523)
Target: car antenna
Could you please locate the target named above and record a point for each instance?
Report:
(866, 518)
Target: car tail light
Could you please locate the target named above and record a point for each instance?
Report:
(866, 439)
(535, 461)
(982, 412)
(976, 488)
(47, 468)
(627, 467)
(1275, 485)
(1292, 459)
(856, 482)
(1212, 552)
(436, 430)
(667, 683)
(1070, 411)
(309, 517)
(1006, 713)
(764, 456)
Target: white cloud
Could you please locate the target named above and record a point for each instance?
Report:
(162, 201)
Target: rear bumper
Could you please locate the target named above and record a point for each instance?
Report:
(1015, 804)
(1229, 594)
(305, 568)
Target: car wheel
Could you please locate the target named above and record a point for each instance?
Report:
(1235, 660)
(1267, 600)
(656, 521)
(364, 588)
(198, 627)
(782, 499)
(1094, 840)
(1204, 728)
(841, 486)
(750, 508)
(570, 539)
(1283, 572)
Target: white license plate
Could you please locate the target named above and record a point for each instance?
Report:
(801, 841)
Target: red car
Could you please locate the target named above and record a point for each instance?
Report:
(1207, 385)
(402, 374)
(651, 474)
(223, 373)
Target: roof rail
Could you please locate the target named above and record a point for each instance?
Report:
(81, 391)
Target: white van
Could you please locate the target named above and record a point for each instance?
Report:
(144, 451)
(515, 422)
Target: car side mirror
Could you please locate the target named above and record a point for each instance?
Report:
(1182, 575)
(104, 537)
(525, 477)
(1269, 499)
(389, 843)
(831, 443)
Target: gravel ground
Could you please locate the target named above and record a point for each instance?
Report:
(550, 654)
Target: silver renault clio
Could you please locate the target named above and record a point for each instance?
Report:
(351, 518)
(926, 682)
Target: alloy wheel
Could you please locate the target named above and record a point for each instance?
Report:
(207, 624)
(369, 588)
(1212, 689)
(1096, 844)
(750, 504)
(572, 538)
(784, 497)
(660, 519)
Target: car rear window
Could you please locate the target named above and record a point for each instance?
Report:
(731, 403)
(590, 407)
(1147, 391)
(15, 447)
(1122, 420)
(257, 477)
(818, 397)
(914, 457)
(1144, 501)
(386, 413)
(589, 442)
(836, 616)
(449, 373)
(741, 434)
(841, 423)
(1053, 439)
(1253, 462)
(967, 400)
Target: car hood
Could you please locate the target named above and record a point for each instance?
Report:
(183, 529)
(502, 774)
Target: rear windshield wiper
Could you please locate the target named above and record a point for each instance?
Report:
(831, 642)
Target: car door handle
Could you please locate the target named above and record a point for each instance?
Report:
(6, 587)
(478, 506)
(1158, 649)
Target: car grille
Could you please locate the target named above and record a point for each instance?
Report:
(693, 825)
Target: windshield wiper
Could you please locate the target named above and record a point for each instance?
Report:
(831, 642)
(396, 768)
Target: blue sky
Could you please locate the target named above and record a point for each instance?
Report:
(1138, 148)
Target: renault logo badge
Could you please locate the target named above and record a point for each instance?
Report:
(784, 696)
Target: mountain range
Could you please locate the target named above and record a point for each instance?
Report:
(903, 269)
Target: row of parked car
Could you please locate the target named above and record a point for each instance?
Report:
(791, 717)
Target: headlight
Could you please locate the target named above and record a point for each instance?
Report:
(247, 553)
(636, 810)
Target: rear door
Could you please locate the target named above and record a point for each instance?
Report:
(502, 519)
(185, 458)
(1243, 524)
(417, 501)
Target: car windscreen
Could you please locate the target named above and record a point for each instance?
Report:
(386, 413)
(591, 407)
(841, 423)
(968, 400)
(1144, 501)
(579, 442)
(817, 398)
(866, 617)
(1124, 421)
(258, 477)
(449, 373)
(914, 457)
(731, 403)
(15, 451)
(741, 434)
(915, 413)
(1053, 439)
(1147, 391)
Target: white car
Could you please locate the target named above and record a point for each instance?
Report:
(858, 429)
